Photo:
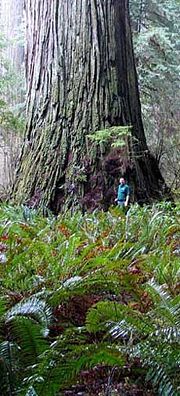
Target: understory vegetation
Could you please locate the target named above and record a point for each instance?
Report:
(12, 108)
(89, 304)
(155, 27)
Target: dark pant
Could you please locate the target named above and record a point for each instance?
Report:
(121, 203)
(124, 208)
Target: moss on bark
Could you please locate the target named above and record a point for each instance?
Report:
(81, 78)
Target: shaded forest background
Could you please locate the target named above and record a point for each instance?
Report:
(156, 44)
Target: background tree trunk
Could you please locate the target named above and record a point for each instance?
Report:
(11, 22)
(80, 78)
(11, 86)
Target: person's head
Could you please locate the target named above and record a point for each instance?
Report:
(122, 180)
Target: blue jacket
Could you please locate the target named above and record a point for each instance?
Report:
(123, 191)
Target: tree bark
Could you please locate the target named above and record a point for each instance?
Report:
(81, 78)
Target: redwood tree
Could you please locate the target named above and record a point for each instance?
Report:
(81, 78)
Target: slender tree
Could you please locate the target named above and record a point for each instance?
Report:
(81, 78)
(11, 89)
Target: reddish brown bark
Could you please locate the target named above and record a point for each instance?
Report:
(81, 78)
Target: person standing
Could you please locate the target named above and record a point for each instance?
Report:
(123, 193)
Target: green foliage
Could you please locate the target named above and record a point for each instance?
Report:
(83, 295)
(115, 135)
(156, 44)
(11, 92)
(154, 338)
(8, 119)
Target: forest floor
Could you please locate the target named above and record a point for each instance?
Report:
(89, 305)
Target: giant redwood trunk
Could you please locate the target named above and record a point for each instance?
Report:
(81, 78)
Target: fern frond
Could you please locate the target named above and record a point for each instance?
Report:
(67, 365)
(166, 307)
(2, 308)
(33, 308)
(159, 378)
(158, 291)
(31, 392)
(160, 360)
(29, 338)
(119, 318)
(168, 333)
(9, 354)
